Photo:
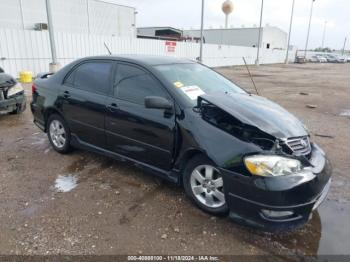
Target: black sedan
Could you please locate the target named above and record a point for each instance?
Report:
(233, 152)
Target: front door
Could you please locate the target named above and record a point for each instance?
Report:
(132, 130)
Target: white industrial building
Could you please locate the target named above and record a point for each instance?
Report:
(271, 37)
(71, 16)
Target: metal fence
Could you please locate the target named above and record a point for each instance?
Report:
(30, 50)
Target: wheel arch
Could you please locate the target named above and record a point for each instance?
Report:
(48, 112)
(186, 157)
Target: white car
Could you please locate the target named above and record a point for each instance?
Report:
(321, 59)
(318, 59)
(314, 59)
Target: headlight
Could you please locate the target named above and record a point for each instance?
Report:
(15, 90)
(261, 165)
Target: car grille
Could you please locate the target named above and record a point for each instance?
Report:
(2, 95)
(298, 145)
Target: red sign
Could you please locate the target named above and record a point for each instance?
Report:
(170, 46)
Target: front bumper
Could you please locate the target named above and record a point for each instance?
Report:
(249, 198)
(11, 104)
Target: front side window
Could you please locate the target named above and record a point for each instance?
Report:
(91, 76)
(133, 84)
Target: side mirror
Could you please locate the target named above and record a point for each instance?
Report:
(157, 102)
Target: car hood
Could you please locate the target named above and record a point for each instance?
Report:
(6, 80)
(258, 112)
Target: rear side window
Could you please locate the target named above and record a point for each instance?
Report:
(91, 76)
(134, 84)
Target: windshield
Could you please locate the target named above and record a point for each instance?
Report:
(193, 80)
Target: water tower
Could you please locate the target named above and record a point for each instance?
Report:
(227, 8)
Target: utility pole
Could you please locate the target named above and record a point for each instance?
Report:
(22, 16)
(257, 62)
(308, 31)
(54, 65)
(201, 34)
(346, 38)
(88, 15)
(324, 33)
(290, 31)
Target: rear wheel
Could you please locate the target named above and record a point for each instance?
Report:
(203, 183)
(59, 134)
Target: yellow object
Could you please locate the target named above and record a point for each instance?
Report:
(25, 77)
(178, 84)
(257, 169)
(251, 167)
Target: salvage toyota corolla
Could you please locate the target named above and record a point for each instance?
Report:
(232, 151)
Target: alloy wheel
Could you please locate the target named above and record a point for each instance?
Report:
(57, 134)
(207, 186)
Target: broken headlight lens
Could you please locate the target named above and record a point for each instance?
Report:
(269, 166)
(16, 89)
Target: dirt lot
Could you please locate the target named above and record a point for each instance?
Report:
(118, 209)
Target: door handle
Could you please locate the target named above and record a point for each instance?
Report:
(112, 107)
(66, 94)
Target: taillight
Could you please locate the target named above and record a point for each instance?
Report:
(33, 88)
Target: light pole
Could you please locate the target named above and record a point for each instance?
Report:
(257, 62)
(22, 16)
(290, 31)
(54, 65)
(308, 31)
(88, 15)
(324, 33)
(346, 38)
(201, 34)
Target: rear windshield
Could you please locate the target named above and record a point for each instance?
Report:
(193, 80)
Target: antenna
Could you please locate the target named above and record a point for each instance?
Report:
(250, 75)
(109, 51)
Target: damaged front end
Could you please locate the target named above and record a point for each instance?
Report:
(228, 123)
(277, 185)
(248, 126)
(12, 98)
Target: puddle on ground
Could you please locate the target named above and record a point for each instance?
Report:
(335, 217)
(39, 141)
(65, 183)
(327, 233)
(345, 113)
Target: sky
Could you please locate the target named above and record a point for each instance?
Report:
(185, 14)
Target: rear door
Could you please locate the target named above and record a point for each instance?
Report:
(143, 134)
(84, 93)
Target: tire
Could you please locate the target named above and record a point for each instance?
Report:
(210, 196)
(59, 134)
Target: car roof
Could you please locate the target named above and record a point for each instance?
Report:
(147, 60)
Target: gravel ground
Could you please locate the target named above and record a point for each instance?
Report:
(115, 208)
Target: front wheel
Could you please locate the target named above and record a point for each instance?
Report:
(204, 184)
(59, 134)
